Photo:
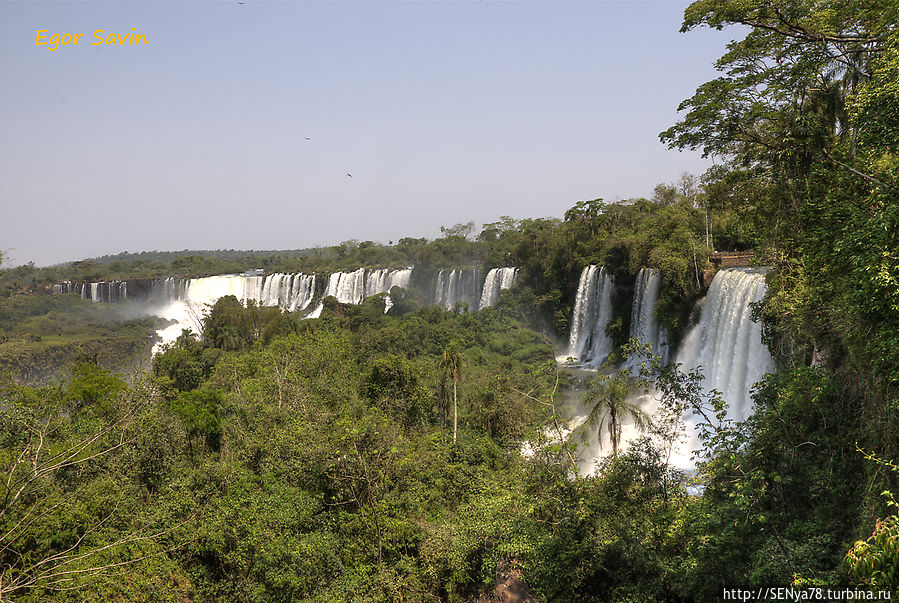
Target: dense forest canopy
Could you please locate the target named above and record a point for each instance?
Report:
(377, 456)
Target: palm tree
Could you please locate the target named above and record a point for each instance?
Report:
(451, 363)
(607, 398)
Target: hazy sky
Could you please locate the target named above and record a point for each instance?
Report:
(443, 112)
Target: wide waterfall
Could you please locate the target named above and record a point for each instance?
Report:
(643, 322)
(288, 291)
(454, 286)
(588, 342)
(726, 342)
(496, 280)
(185, 300)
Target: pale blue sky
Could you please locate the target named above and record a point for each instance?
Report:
(443, 112)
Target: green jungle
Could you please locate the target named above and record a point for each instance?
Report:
(372, 456)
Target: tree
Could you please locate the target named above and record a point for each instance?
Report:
(875, 561)
(50, 447)
(393, 383)
(607, 396)
(458, 230)
(451, 363)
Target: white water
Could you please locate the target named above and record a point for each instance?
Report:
(188, 308)
(302, 291)
(597, 446)
(588, 342)
(454, 286)
(353, 287)
(394, 278)
(64, 287)
(727, 343)
(495, 281)
(102, 291)
(643, 322)
(186, 301)
(347, 287)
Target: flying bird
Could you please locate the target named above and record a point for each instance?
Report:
(349, 175)
(307, 138)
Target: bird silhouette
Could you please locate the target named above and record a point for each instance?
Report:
(307, 138)
(349, 175)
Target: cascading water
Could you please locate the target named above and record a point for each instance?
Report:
(185, 301)
(396, 278)
(588, 342)
(353, 287)
(726, 342)
(347, 287)
(496, 280)
(102, 291)
(643, 323)
(302, 292)
(63, 288)
(166, 290)
(454, 286)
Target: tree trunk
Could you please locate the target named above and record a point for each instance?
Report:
(613, 431)
(455, 411)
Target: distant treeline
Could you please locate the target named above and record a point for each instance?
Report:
(166, 257)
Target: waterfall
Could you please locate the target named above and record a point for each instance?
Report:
(302, 291)
(184, 301)
(726, 342)
(397, 278)
(496, 280)
(347, 287)
(643, 323)
(273, 290)
(63, 288)
(167, 290)
(588, 342)
(376, 282)
(353, 287)
(454, 286)
(383, 280)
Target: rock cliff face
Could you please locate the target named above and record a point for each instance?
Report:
(509, 586)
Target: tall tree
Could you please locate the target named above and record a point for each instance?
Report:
(607, 397)
(451, 363)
